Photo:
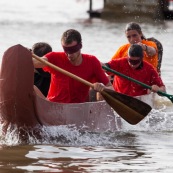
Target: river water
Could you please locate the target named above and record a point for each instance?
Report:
(146, 147)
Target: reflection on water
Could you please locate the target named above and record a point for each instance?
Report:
(132, 152)
(145, 147)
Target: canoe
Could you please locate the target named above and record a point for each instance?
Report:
(20, 107)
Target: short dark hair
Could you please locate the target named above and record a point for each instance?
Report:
(41, 48)
(135, 50)
(71, 35)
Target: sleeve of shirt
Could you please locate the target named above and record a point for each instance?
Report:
(99, 72)
(117, 54)
(51, 58)
(152, 44)
(156, 79)
(112, 65)
(121, 52)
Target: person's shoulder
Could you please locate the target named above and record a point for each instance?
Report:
(124, 46)
(148, 66)
(56, 57)
(122, 59)
(122, 50)
(121, 62)
(89, 57)
(55, 54)
(149, 43)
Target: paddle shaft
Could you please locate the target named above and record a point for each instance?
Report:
(69, 74)
(136, 81)
(120, 103)
(66, 73)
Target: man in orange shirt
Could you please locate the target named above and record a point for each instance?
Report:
(134, 35)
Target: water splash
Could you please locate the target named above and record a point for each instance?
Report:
(158, 120)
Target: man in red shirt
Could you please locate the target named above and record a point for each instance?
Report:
(134, 67)
(64, 89)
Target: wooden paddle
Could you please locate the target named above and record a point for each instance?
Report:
(130, 109)
(170, 97)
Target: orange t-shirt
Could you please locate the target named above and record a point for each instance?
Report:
(123, 52)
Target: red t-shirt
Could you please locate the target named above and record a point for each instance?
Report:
(147, 74)
(64, 89)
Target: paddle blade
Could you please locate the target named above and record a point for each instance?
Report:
(170, 97)
(130, 109)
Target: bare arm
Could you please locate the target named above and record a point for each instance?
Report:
(151, 51)
(38, 64)
(109, 86)
(100, 87)
(155, 88)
